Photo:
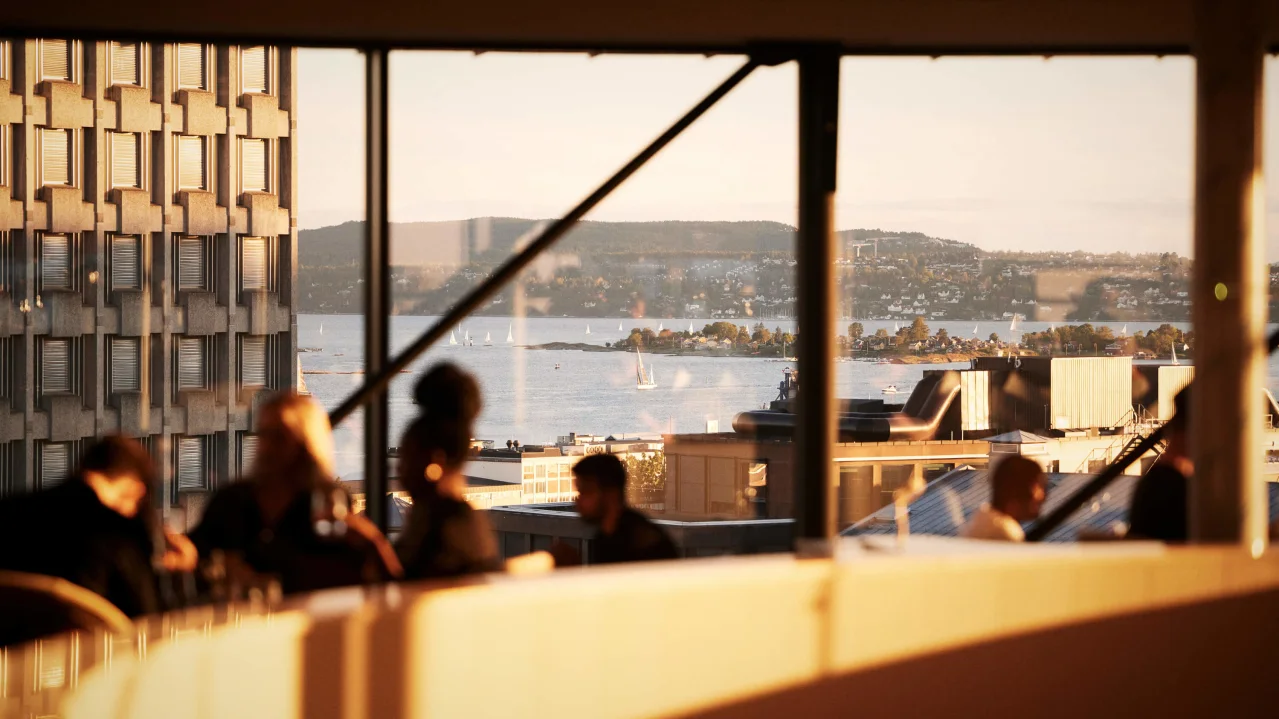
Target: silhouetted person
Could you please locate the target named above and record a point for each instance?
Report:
(97, 529)
(289, 519)
(623, 534)
(445, 536)
(1017, 490)
(1158, 509)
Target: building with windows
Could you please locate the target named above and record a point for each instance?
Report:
(148, 215)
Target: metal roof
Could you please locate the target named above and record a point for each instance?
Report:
(861, 26)
(1018, 437)
(951, 499)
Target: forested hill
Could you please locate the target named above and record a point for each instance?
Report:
(493, 238)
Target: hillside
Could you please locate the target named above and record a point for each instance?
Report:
(490, 239)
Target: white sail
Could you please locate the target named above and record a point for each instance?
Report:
(1012, 326)
(452, 338)
(619, 327)
(974, 330)
(1124, 332)
(659, 326)
(588, 329)
(690, 328)
(488, 338)
(1174, 354)
(896, 329)
(510, 334)
(321, 328)
(643, 379)
(466, 336)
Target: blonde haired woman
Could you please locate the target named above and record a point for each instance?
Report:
(287, 518)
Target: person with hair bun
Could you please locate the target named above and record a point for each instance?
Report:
(445, 536)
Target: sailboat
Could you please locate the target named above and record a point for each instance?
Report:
(1124, 332)
(488, 339)
(321, 328)
(588, 329)
(659, 326)
(510, 334)
(643, 377)
(1174, 354)
(466, 337)
(974, 330)
(452, 339)
(785, 358)
(690, 327)
(896, 329)
(1012, 326)
(619, 327)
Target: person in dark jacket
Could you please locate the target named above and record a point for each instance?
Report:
(445, 536)
(289, 520)
(96, 529)
(1159, 502)
(622, 534)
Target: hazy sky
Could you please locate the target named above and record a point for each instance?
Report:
(1085, 153)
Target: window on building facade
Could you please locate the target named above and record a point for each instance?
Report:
(55, 261)
(55, 365)
(126, 262)
(4, 59)
(193, 162)
(53, 463)
(255, 166)
(192, 363)
(255, 69)
(191, 460)
(6, 142)
(193, 63)
(246, 451)
(126, 63)
(257, 264)
(126, 364)
(254, 361)
(57, 166)
(57, 60)
(193, 263)
(126, 159)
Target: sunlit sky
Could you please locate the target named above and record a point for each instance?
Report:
(1067, 153)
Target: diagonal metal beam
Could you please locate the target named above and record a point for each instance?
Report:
(512, 267)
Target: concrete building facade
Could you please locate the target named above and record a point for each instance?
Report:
(148, 232)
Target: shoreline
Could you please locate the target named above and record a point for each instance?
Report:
(935, 358)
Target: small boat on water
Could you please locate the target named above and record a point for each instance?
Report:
(588, 329)
(690, 327)
(488, 339)
(890, 389)
(321, 328)
(619, 327)
(974, 330)
(1174, 354)
(881, 360)
(557, 365)
(659, 326)
(466, 337)
(643, 376)
(452, 339)
(1124, 332)
(510, 334)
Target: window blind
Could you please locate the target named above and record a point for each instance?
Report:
(55, 262)
(191, 464)
(192, 363)
(192, 163)
(191, 263)
(248, 452)
(253, 263)
(55, 156)
(253, 69)
(253, 361)
(125, 149)
(125, 365)
(191, 66)
(55, 366)
(55, 463)
(55, 59)
(253, 165)
(125, 61)
(126, 265)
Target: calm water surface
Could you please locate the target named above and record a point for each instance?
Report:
(526, 398)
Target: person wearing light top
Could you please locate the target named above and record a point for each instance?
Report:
(1017, 488)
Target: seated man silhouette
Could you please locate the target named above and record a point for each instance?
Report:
(622, 534)
(1017, 490)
